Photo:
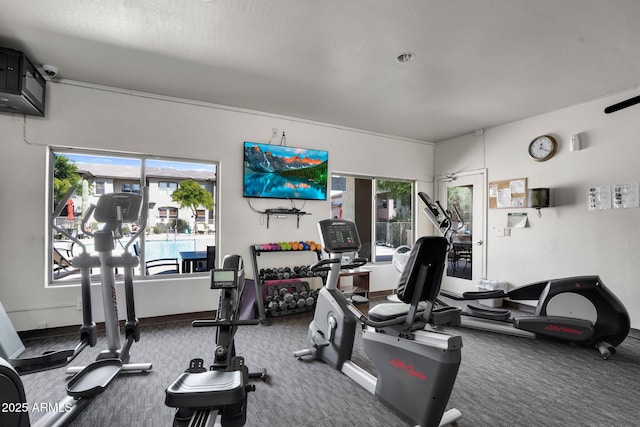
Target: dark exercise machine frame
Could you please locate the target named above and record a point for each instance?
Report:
(417, 367)
(580, 310)
(217, 395)
(112, 210)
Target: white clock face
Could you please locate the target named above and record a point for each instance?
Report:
(542, 148)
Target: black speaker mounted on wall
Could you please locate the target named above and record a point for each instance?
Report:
(22, 87)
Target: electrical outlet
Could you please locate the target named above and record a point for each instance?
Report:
(79, 304)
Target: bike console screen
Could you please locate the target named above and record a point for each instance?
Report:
(223, 278)
(339, 235)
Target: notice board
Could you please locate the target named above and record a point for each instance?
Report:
(509, 193)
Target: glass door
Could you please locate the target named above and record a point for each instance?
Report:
(464, 197)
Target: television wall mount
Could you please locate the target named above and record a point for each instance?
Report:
(282, 213)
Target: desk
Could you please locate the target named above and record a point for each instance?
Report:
(355, 282)
(190, 260)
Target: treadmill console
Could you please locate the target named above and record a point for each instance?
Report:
(339, 235)
(224, 278)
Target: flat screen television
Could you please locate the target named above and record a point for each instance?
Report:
(281, 172)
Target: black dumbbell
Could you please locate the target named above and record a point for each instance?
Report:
(273, 306)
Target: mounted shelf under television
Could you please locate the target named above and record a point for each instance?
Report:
(284, 212)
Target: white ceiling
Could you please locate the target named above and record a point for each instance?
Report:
(478, 63)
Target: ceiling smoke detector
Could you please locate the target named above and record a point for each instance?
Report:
(405, 57)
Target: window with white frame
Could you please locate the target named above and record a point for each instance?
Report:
(131, 187)
(381, 208)
(173, 203)
(99, 186)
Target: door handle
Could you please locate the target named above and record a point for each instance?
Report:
(478, 242)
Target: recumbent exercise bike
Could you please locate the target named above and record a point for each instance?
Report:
(417, 367)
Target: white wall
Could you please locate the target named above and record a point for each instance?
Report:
(567, 239)
(92, 117)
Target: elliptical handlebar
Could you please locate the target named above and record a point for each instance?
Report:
(142, 219)
(85, 219)
(439, 217)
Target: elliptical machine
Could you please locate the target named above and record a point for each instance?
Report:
(218, 395)
(579, 310)
(11, 347)
(112, 210)
(416, 367)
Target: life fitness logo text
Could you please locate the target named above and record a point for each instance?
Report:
(409, 369)
(566, 330)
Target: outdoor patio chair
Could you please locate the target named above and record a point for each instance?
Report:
(162, 266)
(61, 262)
(64, 246)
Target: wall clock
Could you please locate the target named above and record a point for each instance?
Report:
(543, 148)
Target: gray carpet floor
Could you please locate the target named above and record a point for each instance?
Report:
(503, 381)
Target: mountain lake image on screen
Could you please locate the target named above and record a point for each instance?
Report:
(281, 172)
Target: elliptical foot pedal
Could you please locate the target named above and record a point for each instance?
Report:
(94, 378)
(497, 293)
(488, 313)
(48, 360)
(446, 316)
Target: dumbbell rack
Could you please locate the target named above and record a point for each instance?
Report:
(291, 285)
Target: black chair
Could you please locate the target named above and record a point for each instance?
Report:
(211, 257)
(162, 266)
(210, 264)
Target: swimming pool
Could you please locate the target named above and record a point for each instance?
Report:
(155, 249)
